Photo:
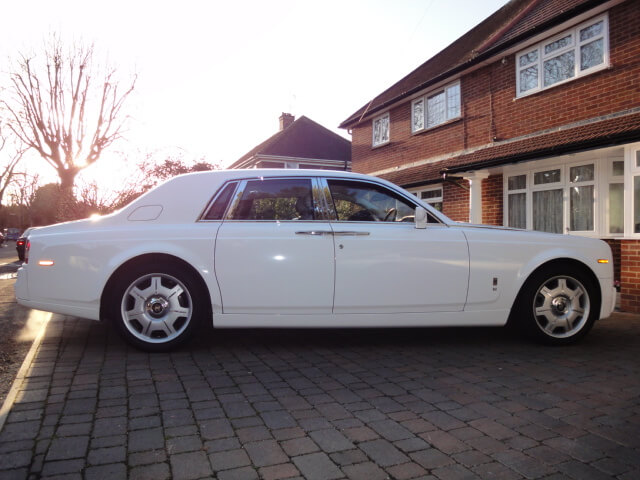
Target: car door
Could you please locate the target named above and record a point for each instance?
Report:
(386, 265)
(274, 251)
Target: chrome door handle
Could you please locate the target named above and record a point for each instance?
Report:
(351, 234)
(315, 232)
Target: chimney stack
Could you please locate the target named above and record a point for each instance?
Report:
(286, 119)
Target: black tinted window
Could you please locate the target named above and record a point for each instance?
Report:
(277, 199)
(216, 212)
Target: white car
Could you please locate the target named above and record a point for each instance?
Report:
(308, 248)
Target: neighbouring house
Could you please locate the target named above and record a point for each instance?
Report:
(529, 120)
(300, 143)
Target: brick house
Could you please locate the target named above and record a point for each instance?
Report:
(300, 143)
(529, 120)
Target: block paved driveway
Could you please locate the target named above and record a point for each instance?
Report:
(442, 403)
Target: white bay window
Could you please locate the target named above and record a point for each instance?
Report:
(580, 194)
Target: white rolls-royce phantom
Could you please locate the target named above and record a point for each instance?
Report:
(308, 248)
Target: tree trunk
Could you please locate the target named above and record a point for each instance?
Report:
(66, 199)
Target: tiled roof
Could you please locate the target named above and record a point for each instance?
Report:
(510, 25)
(304, 138)
(610, 131)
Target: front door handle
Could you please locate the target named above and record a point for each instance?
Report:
(348, 233)
(315, 232)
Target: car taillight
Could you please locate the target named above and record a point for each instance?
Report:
(26, 252)
(20, 242)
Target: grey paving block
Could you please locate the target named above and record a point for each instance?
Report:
(317, 466)
(68, 448)
(190, 466)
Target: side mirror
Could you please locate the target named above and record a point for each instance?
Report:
(421, 217)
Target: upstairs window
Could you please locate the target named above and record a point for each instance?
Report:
(572, 54)
(435, 108)
(381, 130)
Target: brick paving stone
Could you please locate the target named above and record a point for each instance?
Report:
(277, 472)
(221, 444)
(266, 452)
(383, 452)
(454, 472)
(102, 456)
(391, 430)
(331, 440)
(156, 471)
(528, 466)
(216, 428)
(114, 470)
(582, 471)
(299, 446)
(431, 458)
(60, 467)
(406, 471)
(149, 439)
(229, 459)
(188, 443)
(317, 466)
(444, 441)
(366, 470)
(111, 441)
(348, 457)
(244, 473)
(68, 448)
(15, 459)
(147, 458)
(253, 434)
(412, 444)
(190, 466)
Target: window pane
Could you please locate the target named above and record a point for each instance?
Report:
(435, 110)
(517, 182)
(283, 199)
(518, 210)
(591, 31)
(557, 45)
(547, 211)
(559, 68)
(636, 204)
(418, 115)
(583, 173)
(367, 202)
(437, 193)
(549, 176)
(437, 206)
(528, 58)
(581, 212)
(216, 212)
(453, 101)
(592, 54)
(616, 208)
(529, 78)
(617, 168)
(381, 130)
(638, 158)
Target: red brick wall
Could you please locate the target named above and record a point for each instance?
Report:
(455, 200)
(491, 111)
(616, 250)
(492, 200)
(630, 275)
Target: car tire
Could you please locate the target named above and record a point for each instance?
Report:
(157, 309)
(558, 305)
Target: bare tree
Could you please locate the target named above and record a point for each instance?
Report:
(10, 156)
(64, 112)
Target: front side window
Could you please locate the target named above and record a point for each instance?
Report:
(582, 50)
(276, 199)
(367, 202)
(436, 108)
(381, 130)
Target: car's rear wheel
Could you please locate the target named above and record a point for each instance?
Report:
(558, 305)
(157, 309)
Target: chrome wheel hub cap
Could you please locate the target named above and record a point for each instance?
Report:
(156, 308)
(561, 306)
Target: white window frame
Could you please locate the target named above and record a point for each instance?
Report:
(631, 170)
(425, 113)
(419, 191)
(379, 118)
(609, 179)
(574, 45)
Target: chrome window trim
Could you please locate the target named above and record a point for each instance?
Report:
(209, 206)
(410, 199)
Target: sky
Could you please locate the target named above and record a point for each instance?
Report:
(213, 77)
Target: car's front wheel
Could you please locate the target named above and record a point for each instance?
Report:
(157, 309)
(558, 305)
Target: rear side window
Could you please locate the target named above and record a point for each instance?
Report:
(216, 212)
(276, 199)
